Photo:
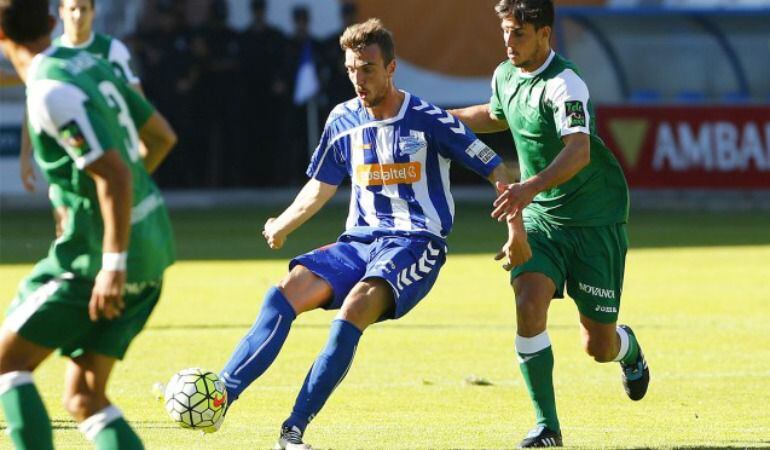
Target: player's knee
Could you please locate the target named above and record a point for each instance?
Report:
(304, 290)
(81, 405)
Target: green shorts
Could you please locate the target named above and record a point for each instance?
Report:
(52, 311)
(590, 260)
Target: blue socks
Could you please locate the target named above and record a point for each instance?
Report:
(258, 349)
(328, 370)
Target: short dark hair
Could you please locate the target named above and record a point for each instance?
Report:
(24, 20)
(360, 35)
(537, 12)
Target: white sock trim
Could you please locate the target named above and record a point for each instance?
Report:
(99, 421)
(12, 380)
(623, 344)
(530, 345)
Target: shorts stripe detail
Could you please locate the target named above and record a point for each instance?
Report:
(12, 380)
(31, 304)
(418, 270)
(99, 421)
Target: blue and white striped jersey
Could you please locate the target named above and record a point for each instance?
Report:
(399, 167)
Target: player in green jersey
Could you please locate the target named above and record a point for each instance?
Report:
(77, 16)
(95, 290)
(573, 200)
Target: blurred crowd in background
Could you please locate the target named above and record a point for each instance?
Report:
(234, 90)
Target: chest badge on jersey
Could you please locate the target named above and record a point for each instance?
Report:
(409, 145)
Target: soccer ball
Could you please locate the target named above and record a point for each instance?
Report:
(196, 399)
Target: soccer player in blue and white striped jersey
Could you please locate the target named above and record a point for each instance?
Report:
(397, 150)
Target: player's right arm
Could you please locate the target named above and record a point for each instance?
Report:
(480, 119)
(326, 171)
(308, 202)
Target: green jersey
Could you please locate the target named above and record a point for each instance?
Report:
(541, 108)
(109, 48)
(78, 109)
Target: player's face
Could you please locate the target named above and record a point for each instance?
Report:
(370, 76)
(523, 43)
(77, 15)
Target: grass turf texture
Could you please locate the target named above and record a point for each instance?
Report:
(696, 294)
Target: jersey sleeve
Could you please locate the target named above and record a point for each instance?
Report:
(120, 58)
(568, 95)
(458, 143)
(328, 162)
(63, 111)
(495, 102)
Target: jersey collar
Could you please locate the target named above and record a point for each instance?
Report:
(540, 69)
(36, 60)
(396, 118)
(65, 42)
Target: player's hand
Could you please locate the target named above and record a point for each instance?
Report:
(27, 174)
(516, 251)
(511, 199)
(107, 295)
(274, 236)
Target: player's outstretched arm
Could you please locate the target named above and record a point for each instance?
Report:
(114, 190)
(157, 139)
(575, 155)
(308, 202)
(480, 119)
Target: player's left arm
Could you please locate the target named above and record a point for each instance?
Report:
(157, 138)
(568, 95)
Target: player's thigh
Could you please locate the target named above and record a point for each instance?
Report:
(111, 338)
(596, 270)
(17, 353)
(50, 310)
(339, 266)
(549, 249)
(410, 266)
(367, 302)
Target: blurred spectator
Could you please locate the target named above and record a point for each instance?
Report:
(163, 47)
(265, 93)
(334, 77)
(300, 44)
(217, 104)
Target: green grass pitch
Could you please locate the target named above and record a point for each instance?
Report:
(697, 293)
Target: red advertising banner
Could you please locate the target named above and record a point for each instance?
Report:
(690, 146)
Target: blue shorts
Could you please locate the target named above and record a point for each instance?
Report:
(409, 264)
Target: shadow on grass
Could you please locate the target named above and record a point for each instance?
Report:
(234, 234)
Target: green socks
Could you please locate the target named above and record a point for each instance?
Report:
(629, 347)
(108, 430)
(536, 364)
(28, 422)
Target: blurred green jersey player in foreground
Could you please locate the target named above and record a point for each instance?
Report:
(102, 277)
